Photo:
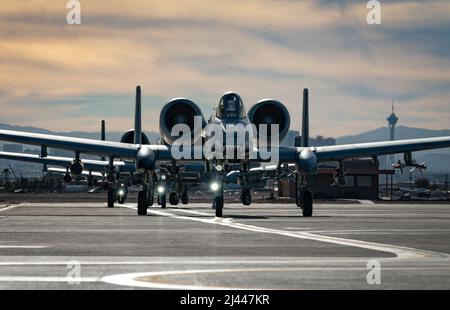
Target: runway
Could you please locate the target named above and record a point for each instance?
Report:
(264, 246)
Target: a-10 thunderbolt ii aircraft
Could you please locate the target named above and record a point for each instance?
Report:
(96, 170)
(269, 119)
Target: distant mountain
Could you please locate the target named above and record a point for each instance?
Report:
(401, 132)
(110, 135)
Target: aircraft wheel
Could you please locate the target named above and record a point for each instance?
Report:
(307, 204)
(185, 198)
(142, 203)
(173, 198)
(218, 204)
(150, 198)
(111, 198)
(299, 201)
(121, 200)
(246, 197)
(162, 201)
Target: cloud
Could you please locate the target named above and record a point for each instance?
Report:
(199, 49)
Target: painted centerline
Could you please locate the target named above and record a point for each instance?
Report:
(399, 251)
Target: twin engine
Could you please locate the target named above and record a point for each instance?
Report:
(128, 137)
(269, 112)
(182, 111)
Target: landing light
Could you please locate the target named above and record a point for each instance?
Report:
(121, 192)
(163, 177)
(219, 167)
(161, 189)
(215, 186)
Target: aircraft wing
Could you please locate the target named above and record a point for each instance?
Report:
(162, 153)
(87, 146)
(88, 164)
(347, 151)
(84, 173)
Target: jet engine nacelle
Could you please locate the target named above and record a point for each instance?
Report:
(180, 111)
(128, 137)
(270, 112)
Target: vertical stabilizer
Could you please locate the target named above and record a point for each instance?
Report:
(103, 134)
(103, 131)
(305, 119)
(137, 118)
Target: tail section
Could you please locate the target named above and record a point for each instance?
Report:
(137, 118)
(305, 119)
(103, 132)
(103, 135)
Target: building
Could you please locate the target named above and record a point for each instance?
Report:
(362, 181)
(317, 141)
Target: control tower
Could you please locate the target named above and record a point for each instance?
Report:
(392, 121)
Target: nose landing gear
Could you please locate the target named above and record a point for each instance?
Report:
(304, 197)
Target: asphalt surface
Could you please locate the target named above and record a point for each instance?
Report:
(85, 245)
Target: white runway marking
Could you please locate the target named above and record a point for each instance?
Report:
(201, 260)
(399, 251)
(131, 279)
(366, 202)
(23, 246)
(153, 279)
(416, 259)
(10, 207)
(47, 279)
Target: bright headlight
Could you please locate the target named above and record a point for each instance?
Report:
(163, 177)
(160, 189)
(215, 186)
(121, 192)
(219, 167)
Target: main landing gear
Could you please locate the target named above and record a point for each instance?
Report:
(111, 198)
(162, 195)
(145, 195)
(185, 197)
(111, 183)
(142, 202)
(218, 205)
(304, 197)
(246, 197)
(122, 193)
(174, 197)
(217, 189)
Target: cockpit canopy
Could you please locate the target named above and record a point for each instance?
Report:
(230, 106)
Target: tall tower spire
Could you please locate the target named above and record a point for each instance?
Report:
(392, 122)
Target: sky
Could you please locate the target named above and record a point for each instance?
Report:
(65, 77)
